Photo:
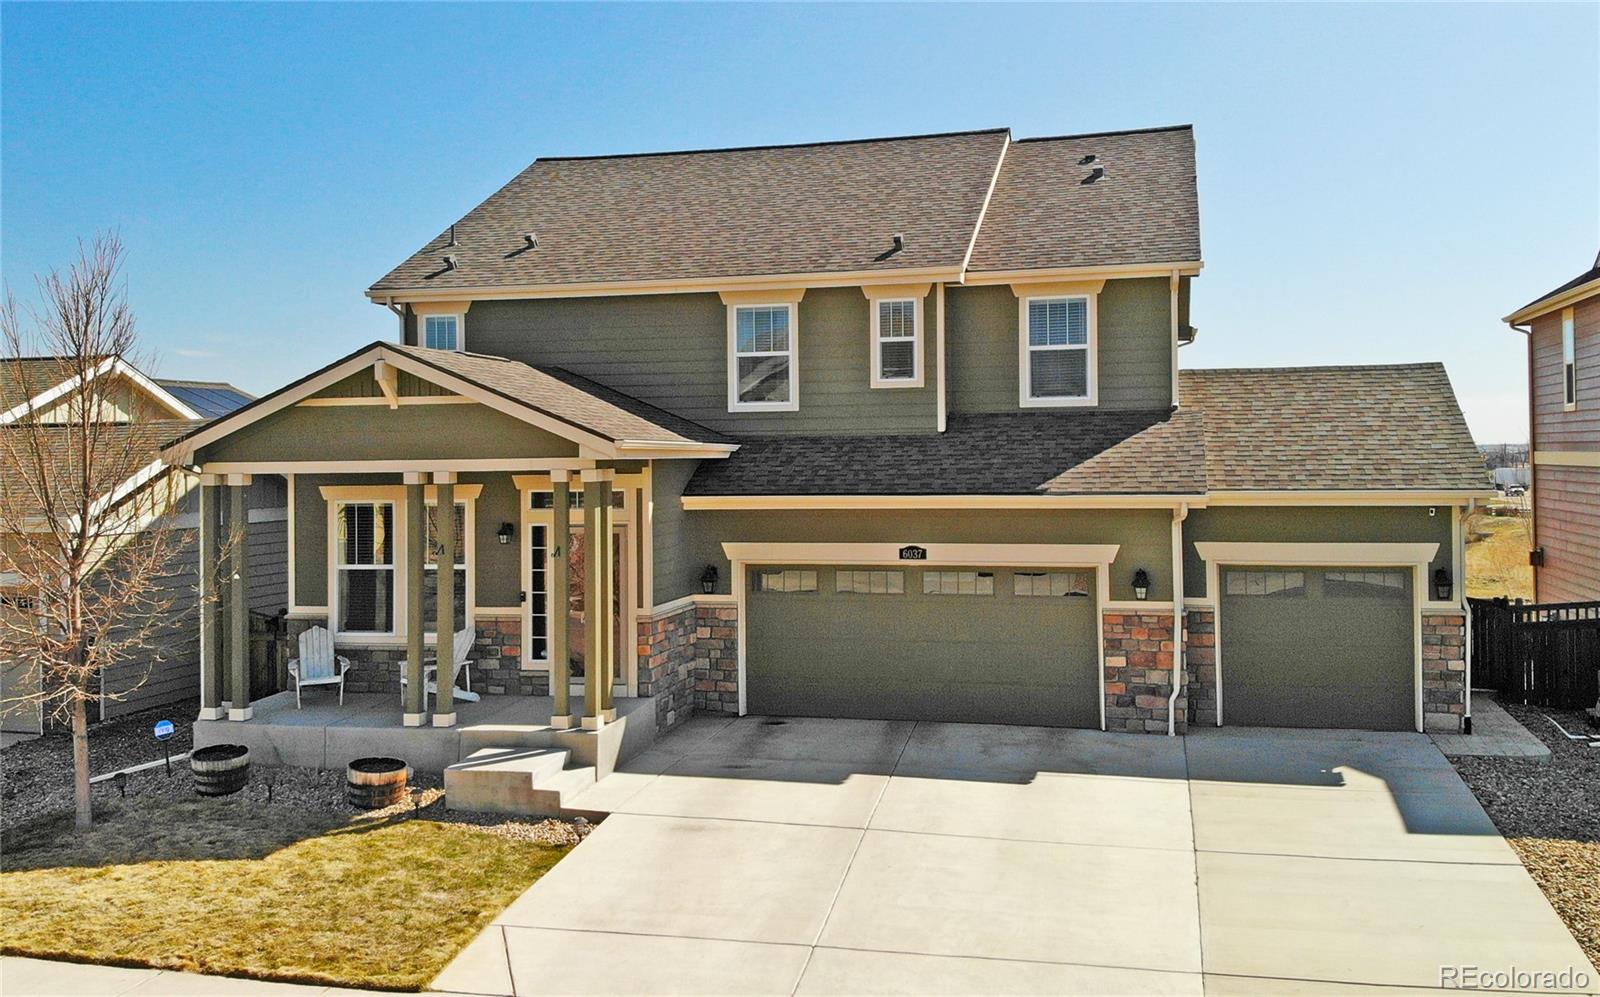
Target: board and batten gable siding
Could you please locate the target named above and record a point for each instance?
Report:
(498, 566)
(1313, 524)
(671, 350)
(1144, 535)
(1134, 345)
(377, 432)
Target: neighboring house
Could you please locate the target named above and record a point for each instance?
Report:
(144, 414)
(891, 428)
(1563, 330)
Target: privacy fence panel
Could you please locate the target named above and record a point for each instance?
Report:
(1544, 654)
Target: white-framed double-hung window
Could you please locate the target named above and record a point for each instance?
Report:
(762, 358)
(1056, 351)
(1569, 360)
(365, 568)
(435, 554)
(896, 343)
(441, 332)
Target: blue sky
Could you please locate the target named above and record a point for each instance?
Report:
(1377, 184)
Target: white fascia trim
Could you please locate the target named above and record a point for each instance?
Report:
(183, 451)
(1022, 555)
(1332, 554)
(671, 449)
(716, 502)
(1545, 306)
(161, 394)
(1353, 497)
(981, 278)
(685, 602)
(1567, 458)
(671, 285)
(112, 365)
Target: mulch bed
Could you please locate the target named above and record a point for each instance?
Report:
(1550, 813)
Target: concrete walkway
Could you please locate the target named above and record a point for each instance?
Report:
(43, 978)
(810, 856)
(1495, 734)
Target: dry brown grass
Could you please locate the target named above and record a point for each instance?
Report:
(1497, 556)
(232, 888)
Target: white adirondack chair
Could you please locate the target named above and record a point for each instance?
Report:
(430, 671)
(317, 664)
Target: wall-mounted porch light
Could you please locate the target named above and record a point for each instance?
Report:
(708, 579)
(506, 532)
(1141, 584)
(1441, 585)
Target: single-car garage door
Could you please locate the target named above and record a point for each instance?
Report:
(969, 645)
(1318, 647)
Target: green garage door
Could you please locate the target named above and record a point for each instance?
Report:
(1318, 647)
(969, 645)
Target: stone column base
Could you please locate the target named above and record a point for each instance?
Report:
(594, 723)
(415, 720)
(213, 713)
(444, 719)
(244, 714)
(566, 722)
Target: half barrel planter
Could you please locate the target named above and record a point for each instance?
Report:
(220, 769)
(375, 783)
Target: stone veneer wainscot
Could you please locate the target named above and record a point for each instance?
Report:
(1138, 673)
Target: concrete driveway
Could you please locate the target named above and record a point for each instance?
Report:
(832, 856)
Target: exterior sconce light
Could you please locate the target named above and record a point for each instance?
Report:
(708, 579)
(506, 532)
(1141, 584)
(1441, 585)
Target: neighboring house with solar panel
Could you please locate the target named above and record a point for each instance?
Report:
(891, 428)
(147, 413)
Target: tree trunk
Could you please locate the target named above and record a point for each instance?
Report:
(80, 765)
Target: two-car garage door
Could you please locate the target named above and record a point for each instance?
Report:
(1317, 647)
(968, 645)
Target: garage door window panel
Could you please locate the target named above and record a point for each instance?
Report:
(856, 582)
(958, 583)
(1365, 584)
(1286, 584)
(788, 580)
(1050, 584)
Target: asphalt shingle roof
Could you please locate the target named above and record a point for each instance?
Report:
(1143, 210)
(1593, 273)
(125, 449)
(1333, 428)
(825, 208)
(785, 209)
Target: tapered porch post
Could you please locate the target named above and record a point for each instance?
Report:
(596, 599)
(416, 695)
(239, 597)
(444, 646)
(559, 597)
(210, 602)
(606, 619)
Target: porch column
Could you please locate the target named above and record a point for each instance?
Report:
(558, 595)
(239, 597)
(596, 598)
(444, 646)
(210, 602)
(416, 696)
(606, 619)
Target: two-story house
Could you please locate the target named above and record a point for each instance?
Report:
(1563, 330)
(890, 428)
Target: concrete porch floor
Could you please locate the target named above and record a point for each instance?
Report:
(326, 735)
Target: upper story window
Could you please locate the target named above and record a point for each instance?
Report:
(1057, 351)
(761, 358)
(1569, 360)
(896, 343)
(441, 332)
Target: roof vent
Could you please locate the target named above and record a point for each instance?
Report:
(899, 242)
(1095, 174)
(532, 238)
(451, 262)
(1086, 160)
(452, 241)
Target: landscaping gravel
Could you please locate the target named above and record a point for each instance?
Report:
(1550, 813)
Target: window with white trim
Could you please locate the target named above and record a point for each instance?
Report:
(430, 568)
(364, 551)
(1367, 583)
(786, 580)
(1039, 584)
(958, 583)
(870, 582)
(761, 358)
(1057, 351)
(896, 343)
(441, 332)
(1264, 582)
(1569, 359)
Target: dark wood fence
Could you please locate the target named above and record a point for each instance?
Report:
(1543, 654)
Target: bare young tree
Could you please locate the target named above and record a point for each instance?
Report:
(86, 531)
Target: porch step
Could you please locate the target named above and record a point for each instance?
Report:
(515, 780)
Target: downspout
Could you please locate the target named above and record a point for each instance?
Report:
(1533, 469)
(1466, 615)
(1173, 283)
(939, 346)
(400, 313)
(1180, 616)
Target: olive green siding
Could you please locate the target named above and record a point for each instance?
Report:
(674, 569)
(1312, 658)
(1312, 524)
(994, 658)
(498, 567)
(687, 541)
(671, 350)
(1134, 337)
(377, 432)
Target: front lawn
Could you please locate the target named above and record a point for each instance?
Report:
(296, 890)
